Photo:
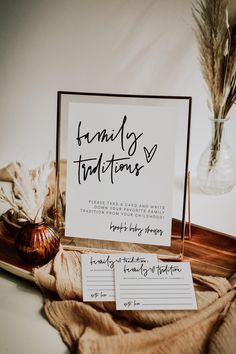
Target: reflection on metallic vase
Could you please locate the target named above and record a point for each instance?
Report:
(37, 243)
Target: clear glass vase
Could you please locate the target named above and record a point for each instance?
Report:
(216, 170)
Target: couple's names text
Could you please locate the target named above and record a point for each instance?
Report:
(140, 231)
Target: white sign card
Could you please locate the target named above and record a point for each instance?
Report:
(98, 275)
(156, 286)
(120, 169)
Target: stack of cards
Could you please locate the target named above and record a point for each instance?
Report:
(138, 282)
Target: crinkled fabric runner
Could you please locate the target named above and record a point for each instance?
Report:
(97, 328)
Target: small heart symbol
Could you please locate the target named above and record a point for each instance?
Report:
(149, 154)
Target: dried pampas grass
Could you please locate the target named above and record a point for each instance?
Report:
(216, 35)
(31, 188)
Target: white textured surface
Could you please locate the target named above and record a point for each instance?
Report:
(23, 328)
(216, 212)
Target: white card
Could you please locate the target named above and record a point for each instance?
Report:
(156, 286)
(120, 171)
(98, 278)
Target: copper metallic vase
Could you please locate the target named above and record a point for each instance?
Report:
(37, 243)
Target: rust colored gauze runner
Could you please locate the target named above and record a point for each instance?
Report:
(97, 328)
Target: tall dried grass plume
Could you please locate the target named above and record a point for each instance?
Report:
(216, 36)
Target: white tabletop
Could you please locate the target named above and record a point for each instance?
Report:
(24, 329)
(216, 212)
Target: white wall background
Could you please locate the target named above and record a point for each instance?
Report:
(117, 46)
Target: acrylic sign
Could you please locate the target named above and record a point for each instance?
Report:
(121, 165)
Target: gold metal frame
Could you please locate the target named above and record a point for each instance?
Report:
(180, 225)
